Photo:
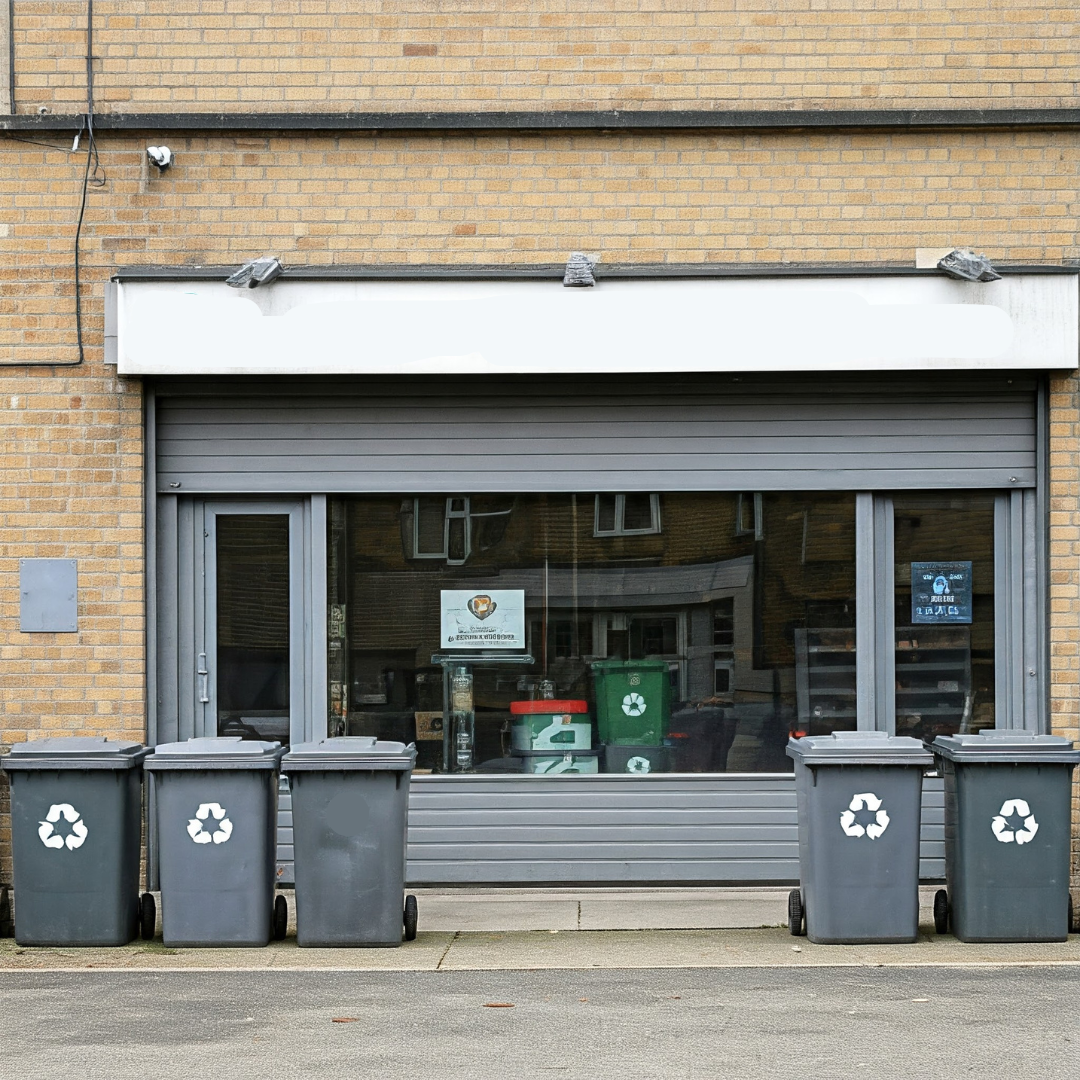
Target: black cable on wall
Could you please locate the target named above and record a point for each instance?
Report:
(11, 56)
(93, 174)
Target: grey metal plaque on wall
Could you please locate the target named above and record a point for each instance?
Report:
(941, 592)
(48, 596)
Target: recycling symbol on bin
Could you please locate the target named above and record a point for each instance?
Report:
(867, 801)
(215, 814)
(633, 705)
(1014, 822)
(638, 764)
(47, 828)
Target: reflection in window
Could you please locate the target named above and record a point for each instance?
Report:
(694, 649)
(633, 514)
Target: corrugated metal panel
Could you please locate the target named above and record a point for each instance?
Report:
(610, 829)
(683, 433)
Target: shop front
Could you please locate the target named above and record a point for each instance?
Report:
(599, 552)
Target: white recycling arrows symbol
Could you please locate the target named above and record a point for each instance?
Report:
(866, 801)
(633, 705)
(209, 810)
(1000, 825)
(47, 831)
(638, 764)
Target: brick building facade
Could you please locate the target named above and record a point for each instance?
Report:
(834, 134)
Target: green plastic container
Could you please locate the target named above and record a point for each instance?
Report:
(550, 725)
(633, 701)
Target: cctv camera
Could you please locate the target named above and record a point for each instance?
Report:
(161, 156)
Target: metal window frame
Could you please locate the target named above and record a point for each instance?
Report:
(1020, 612)
(655, 527)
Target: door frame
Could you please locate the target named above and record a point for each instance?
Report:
(205, 623)
(184, 628)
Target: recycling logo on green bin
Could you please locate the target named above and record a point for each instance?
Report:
(214, 814)
(1014, 822)
(47, 828)
(633, 705)
(856, 819)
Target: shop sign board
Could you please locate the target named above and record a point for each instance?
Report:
(941, 592)
(459, 326)
(483, 619)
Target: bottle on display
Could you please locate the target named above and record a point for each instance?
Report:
(462, 719)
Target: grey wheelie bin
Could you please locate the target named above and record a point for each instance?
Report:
(350, 805)
(859, 799)
(1007, 822)
(76, 829)
(216, 815)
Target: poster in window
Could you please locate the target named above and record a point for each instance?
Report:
(941, 592)
(483, 619)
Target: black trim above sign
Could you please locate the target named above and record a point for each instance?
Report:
(614, 120)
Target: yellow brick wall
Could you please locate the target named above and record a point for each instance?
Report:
(1065, 571)
(192, 55)
(72, 437)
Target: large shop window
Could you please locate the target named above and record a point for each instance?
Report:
(571, 634)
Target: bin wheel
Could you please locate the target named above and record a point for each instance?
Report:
(796, 913)
(147, 916)
(941, 912)
(410, 918)
(281, 917)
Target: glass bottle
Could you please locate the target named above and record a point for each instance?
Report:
(462, 719)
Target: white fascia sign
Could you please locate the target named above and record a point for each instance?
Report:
(619, 326)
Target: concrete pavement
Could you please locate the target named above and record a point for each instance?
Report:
(780, 1024)
(571, 929)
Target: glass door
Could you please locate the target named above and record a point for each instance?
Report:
(944, 613)
(249, 671)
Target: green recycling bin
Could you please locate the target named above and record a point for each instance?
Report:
(1008, 798)
(633, 701)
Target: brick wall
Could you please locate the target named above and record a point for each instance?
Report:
(72, 447)
(1065, 571)
(530, 54)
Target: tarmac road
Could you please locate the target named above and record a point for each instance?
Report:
(812, 1024)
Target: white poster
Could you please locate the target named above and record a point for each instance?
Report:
(474, 619)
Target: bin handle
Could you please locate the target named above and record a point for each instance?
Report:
(204, 680)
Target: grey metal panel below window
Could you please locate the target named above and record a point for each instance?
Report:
(670, 830)
(858, 432)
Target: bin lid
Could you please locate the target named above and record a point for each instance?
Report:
(348, 753)
(223, 752)
(859, 748)
(1007, 747)
(603, 667)
(76, 752)
(545, 707)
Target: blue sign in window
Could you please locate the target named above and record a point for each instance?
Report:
(941, 592)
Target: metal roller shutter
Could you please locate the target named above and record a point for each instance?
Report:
(683, 433)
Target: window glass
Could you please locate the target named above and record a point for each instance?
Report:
(253, 626)
(666, 638)
(944, 586)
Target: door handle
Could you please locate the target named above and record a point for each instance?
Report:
(204, 676)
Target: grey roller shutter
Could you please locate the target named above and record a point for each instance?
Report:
(487, 830)
(704, 433)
